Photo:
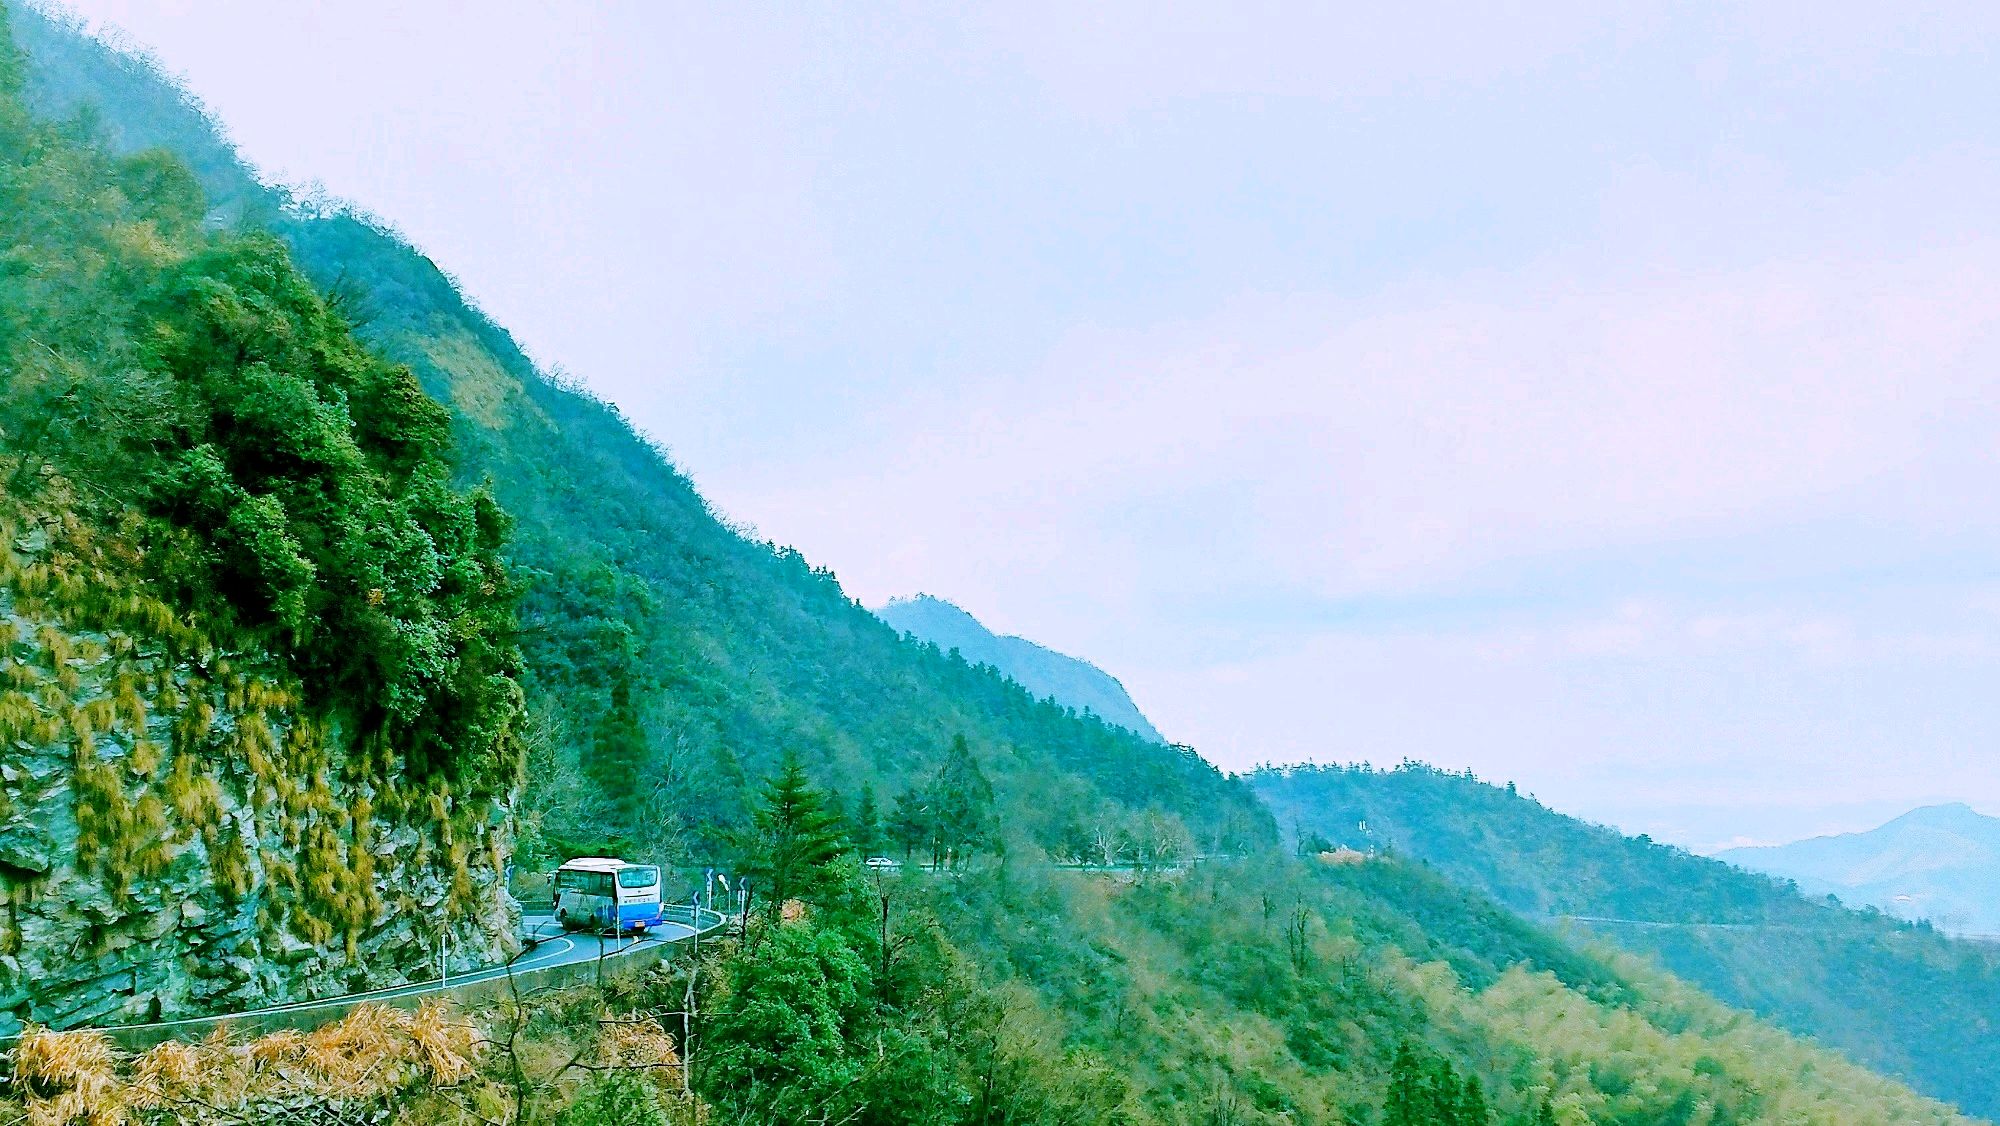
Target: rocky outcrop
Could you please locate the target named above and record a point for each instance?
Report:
(179, 837)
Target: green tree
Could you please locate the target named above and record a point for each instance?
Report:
(1425, 1090)
(617, 1098)
(795, 841)
(950, 812)
(301, 495)
(777, 1039)
(867, 831)
(912, 824)
(1310, 842)
(908, 1081)
(964, 803)
(618, 756)
(1470, 1108)
(1408, 1101)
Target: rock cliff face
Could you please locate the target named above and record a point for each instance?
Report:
(181, 834)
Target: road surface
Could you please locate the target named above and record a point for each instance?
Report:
(548, 948)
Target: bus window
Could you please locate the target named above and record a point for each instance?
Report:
(638, 877)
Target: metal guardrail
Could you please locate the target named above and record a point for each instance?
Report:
(473, 985)
(701, 919)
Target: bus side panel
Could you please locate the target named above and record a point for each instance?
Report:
(637, 912)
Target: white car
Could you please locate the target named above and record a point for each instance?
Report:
(882, 864)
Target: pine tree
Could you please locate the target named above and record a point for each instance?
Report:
(796, 838)
(963, 803)
(1443, 1094)
(1406, 1103)
(1470, 1108)
(1425, 1090)
(867, 831)
(618, 754)
(911, 822)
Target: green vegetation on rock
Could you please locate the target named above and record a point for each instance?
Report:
(260, 686)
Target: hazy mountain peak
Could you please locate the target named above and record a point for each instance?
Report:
(939, 609)
(1955, 815)
(1940, 862)
(1041, 670)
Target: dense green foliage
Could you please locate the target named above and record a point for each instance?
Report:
(947, 814)
(1896, 996)
(847, 1005)
(309, 485)
(201, 464)
(1278, 991)
(1241, 992)
(621, 1098)
(795, 838)
(294, 488)
(1425, 1090)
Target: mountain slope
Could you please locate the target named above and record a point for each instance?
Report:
(1895, 996)
(1940, 863)
(670, 665)
(1292, 1010)
(258, 706)
(727, 653)
(1070, 681)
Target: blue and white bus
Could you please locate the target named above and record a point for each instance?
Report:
(601, 893)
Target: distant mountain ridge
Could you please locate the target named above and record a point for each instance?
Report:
(1041, 670)
(1940, 862)
(1900, 997)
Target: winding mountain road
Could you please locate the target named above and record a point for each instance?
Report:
(549, 948)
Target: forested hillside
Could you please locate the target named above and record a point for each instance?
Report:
(1273, 990)
(1897, 996)
(258, 691)
(669, 660)
(290, 430)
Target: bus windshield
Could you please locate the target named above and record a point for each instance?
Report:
(636, 877)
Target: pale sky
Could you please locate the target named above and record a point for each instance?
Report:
(1598, 396)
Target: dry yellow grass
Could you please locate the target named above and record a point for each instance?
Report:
(444, 1045)
(69, 1077)
(636, 1041)
(166, 1073)
(639, 1042)
(373, 1054)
